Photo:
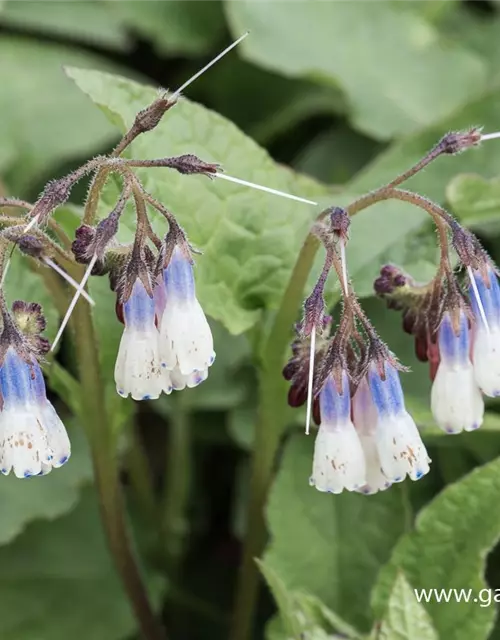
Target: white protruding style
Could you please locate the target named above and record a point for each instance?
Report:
(73, 302)
(490, 136)
(177, 93)
(68, 278)
(260, 187)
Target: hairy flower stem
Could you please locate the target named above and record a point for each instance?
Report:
(102, 446)
(272, 416)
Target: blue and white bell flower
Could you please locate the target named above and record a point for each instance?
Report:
(338, 462)
(138, 369)
(486, 343)
(186, 343)
(33, 440)
(456, 402)
(364, 416)
(399, 445)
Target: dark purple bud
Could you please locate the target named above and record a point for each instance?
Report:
(83, 244)
(340, 222)
(148, 118)
(31, 246)
(457, 141)
(189, 164)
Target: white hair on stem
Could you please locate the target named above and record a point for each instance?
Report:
(68, 278)
(177, 93)
(73, 302)
(310, 380)
(478, 299)
(259, 187)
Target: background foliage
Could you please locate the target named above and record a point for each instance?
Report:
(326, 112)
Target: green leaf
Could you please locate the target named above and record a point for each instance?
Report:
(58, 582)
(250, 240)
(405, 618)
(43, 116)
(45, 497)
(188, 28)
(311, 529)
(301, 613)
(484, 160)
(281, 103)
(335, 155)
(90, 21)
(476, 201)
(389, 95)
(478, 33)
(447, 549)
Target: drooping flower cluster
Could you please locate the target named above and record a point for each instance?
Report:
(167, 343)
(459, 334)
(366, 438)
(33, 439)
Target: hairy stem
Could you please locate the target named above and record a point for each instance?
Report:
(177, 481)
(106, 474)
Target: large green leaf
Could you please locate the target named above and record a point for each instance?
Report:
(447, 549)
(46, 497)
(405, 618)
(278, 103)
(301, 615)
(331, 546)
(354, 45)
(188, 28)
(90, 22)
(484, 160)
(58, 582)
(43, 117)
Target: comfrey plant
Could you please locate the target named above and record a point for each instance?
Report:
(347, 377)
(366, 438)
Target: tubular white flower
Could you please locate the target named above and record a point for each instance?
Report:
(137, 370)
(365, 422)
(456, 401)
(186, 340)
(399, 445)
(33, 439)
(486, 343)
(338, 461)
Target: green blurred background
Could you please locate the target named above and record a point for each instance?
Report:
(349, 93)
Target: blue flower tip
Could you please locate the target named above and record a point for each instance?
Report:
(63, 459)
(419, 474)
(398, 479)
(27, 474)
(212, 360)
(146, 397)
(164, 364)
